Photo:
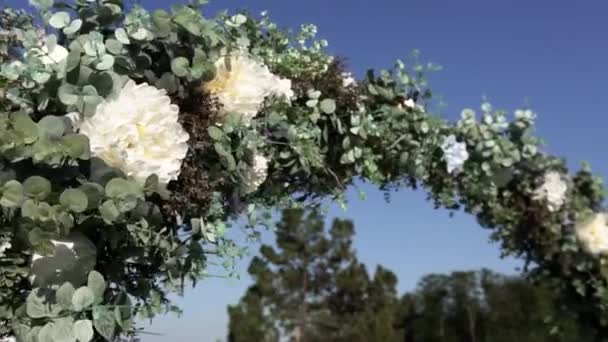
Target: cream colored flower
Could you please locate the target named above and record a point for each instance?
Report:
(254, 175)
(455, 154)
(553, 190)
(241, 85)
(138, 133)
(410, 103)
(593, 234)
(348, 79)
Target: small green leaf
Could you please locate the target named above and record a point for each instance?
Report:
(180, 66)
(121, 36)
(103, 320)
(68, 94)
(117, 188)
(83, 330)
(73, 27)
(105, 63)
(26, 126)
(12, 194)
(60, 20)
(63, 330)
(37, 306)
(77, 146)
(215, 133)
(98, 285)
(83, 298)
(51, 126)
(65, 293)
(328, 106)
(109, 212)
(37, 187)
(74, 199)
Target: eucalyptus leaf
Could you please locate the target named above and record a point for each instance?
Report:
(74, 199)
(60, 20)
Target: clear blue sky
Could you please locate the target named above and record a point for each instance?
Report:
(551, 54)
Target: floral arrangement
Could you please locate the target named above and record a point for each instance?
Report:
(130, 140)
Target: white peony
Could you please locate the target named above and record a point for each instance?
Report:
(455, 154)
(593, 234)
(72, 260)
(254, 175)
(553, 190)
(348, 79)
(138, 133)
(241, 85)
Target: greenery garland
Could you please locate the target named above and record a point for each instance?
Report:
(129, 140)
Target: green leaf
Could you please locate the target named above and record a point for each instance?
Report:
(94, 193)
(215, 133)
(114, 46)
(117, 188)
(51, 126)
(73, 27)
(103, 83)
(105, 63)
(83, 330)
(46, 333)
(109, 212)
(98, 285)
(162, 21)
(77, 146)
(83, 298)
(65, 293)
(74, 199)
(37, 187)
(121, 36)
(29, 209)
(12, 194)
(26, 126)
(180, 66)
(103, 320)
(42, 4)
(60, 20)
(37, 305)
(328, 106)
(68, 94)
(63, 330)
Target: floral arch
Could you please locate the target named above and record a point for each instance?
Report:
(129, 139)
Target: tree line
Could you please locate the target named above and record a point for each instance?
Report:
(310, 287)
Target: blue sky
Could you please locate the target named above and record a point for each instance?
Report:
(550, 54)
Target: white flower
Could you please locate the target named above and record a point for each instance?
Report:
(4, 246)
(254, 175)
(348, 79)
(72, 260)
(553, 190)
(593, 234)
(138, 133)
(410, 103)
(8, 339)
(455, 154)
(241, 85)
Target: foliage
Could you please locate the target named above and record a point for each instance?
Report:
(148, 239)
(311, 287)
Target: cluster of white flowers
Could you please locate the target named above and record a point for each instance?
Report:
(254, 175)
(138, 132)
(455, 154)
(4, 245)
(241, 85)
(553, 190)
(348, 79)
(593, 234)
(410, 103)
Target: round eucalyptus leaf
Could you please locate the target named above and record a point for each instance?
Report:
(94, 193)
(77, 146)
(106, 62)
(73, 27)
(74, 199)
(37, 187)
(180, 66)
(26, 126)
(83, 330)
(51, 126)
(60, 20)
